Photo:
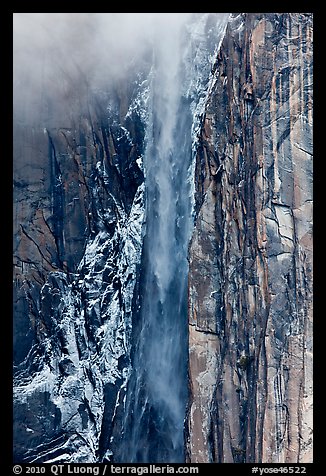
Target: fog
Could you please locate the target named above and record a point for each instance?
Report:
(59, 59)
(57, 54)
(157, 393)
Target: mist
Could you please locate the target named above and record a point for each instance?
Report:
(65, 63)
(61, 57)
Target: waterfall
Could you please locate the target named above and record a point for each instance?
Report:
(157, 392)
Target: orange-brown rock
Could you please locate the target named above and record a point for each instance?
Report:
(250, 280)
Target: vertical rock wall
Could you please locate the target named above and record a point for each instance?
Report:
(250, 280)
(78, 224)
(78, 217)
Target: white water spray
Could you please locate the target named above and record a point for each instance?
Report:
(157, 394)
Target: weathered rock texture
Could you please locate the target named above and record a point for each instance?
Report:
(250, 280)
(78, 214)
(78, 242)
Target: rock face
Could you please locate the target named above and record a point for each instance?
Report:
(80, 255)
(100, 314)
(250, 278)
(77, 246)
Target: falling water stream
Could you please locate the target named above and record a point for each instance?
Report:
(157, 392)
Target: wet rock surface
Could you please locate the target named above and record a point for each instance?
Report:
(78, 217)
(250, 279)
(80, 266)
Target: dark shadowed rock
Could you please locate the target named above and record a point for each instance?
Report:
(78, 213)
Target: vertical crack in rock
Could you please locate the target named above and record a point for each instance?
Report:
(250, 278)
(77, 253)
(111, 164)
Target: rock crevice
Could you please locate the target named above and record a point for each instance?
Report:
(250, 279)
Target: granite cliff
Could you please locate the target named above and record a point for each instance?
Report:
(250, 278)
(77, 244)
(88, 210)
